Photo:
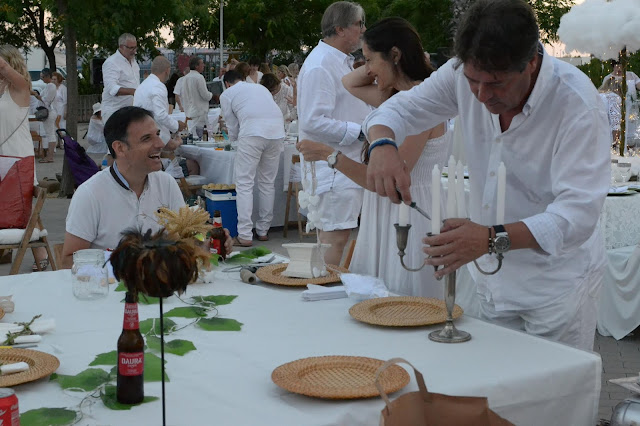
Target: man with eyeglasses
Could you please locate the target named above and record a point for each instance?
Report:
(121, 76)
(328, 113)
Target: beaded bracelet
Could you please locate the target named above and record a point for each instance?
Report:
(381, 141)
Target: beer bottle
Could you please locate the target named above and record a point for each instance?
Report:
(205, 134)
(130, 384)
(217, 236)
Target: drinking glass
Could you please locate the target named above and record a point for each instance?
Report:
(90, 279)
(624, 170)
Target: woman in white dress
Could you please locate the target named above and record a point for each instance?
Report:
(15, 137)
(60, 102)
(394, 62)
(254, 75)
(95, 132)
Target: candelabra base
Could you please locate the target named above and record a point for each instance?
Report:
(449, 334)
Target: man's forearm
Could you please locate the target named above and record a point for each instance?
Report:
(124, 91)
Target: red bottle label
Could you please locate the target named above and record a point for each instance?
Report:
(130, 316)
(214, 246)
(130, 363)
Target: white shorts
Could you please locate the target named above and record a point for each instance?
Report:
(339, 209)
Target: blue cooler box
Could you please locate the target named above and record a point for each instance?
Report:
(225, 201)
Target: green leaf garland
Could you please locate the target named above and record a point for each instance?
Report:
(187, 312)
(217, 300)
(176, 347)
(110, 400)
(87, 380)
(148, 324)
(153, 369)
(219, 324)
(48, 417)
(108, 358)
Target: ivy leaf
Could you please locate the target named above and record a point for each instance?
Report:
(110, 399)
(148, 324)
(217, 300)
(213, 259)
(87, 380)
(176, 347)
(219, 324)
(121, 287)
(152, 368)
(48, 417)
(248, 255)
(187, 312)
(108, 358)
(143, 299)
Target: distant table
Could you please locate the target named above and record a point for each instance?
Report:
(212, 119)
(218, 167)
(227, 380)
(620, 221)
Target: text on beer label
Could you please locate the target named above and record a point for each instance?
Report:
(130, 363)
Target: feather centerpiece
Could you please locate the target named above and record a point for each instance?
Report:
(156, 265)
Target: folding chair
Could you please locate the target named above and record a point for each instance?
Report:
(292, 191)
(20, 238)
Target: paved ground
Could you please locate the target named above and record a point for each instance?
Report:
(619, 358)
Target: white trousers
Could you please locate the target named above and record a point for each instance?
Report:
(571, 319)
(261, 157)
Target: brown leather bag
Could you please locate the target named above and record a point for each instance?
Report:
(424, 408)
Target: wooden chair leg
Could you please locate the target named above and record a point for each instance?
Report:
(347, 260)
(50, 255)
(17, 262)
(286, 211)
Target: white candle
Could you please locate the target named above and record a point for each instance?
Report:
(462, 207)
(435, 200)
(403, 214)
(451, 188)
(502, 186)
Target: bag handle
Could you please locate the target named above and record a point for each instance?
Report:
(426, 396)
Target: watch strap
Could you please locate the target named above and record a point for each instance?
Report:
(491, 243)
(499, 229)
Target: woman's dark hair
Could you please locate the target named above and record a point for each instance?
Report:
(270, 81)
(397, 32)
(497, 35)
(388, 33)
(171, 84)
(254, 60)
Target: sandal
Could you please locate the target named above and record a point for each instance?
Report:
(263, 237)
(45, 160)
(44, 264)
(237, 242)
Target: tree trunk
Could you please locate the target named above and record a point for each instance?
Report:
(68, 182)
(51, 56)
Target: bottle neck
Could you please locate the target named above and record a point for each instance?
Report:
(131, 317)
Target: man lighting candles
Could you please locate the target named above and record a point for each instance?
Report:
(542, 118)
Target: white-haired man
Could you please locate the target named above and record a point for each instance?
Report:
(329, 114)
(121, 76)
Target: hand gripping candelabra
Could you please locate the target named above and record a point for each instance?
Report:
(449, 334)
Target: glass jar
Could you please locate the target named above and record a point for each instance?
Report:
(90, 279)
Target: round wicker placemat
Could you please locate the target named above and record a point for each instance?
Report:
(1, 313)
(272, 274)
(338, 377)
(40, 365)
(402, 311)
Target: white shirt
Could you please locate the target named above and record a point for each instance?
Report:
(60, 102)
(250, 80)
(329, 114)
(280, 98)
(152, 95)
(177, 89)
(556, 152)
(249, 110)
(117, 73)
(102, 208)
(195, 97)
(48, 96)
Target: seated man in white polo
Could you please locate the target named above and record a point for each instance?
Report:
(125, 195)
(255, 121)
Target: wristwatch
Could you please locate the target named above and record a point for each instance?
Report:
(332, 159)
(501, 242)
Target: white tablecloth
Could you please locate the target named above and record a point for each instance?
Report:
(620, 221)
(212, 119)
(218, 167)
(227, 380)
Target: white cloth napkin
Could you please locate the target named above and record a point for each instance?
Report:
(13, 368)
(618, 189)
(39, 326)
(318, 292)
(20, 340)
(363, 287)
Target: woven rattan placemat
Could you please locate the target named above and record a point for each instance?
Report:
(40, 365)
(402, 311)
(338, 377)
(272, 274)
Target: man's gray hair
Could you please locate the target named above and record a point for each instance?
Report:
(124, 38)
(159, 65)
(194, 61)
(340, 14)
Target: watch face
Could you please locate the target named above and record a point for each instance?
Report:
(502, 243)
